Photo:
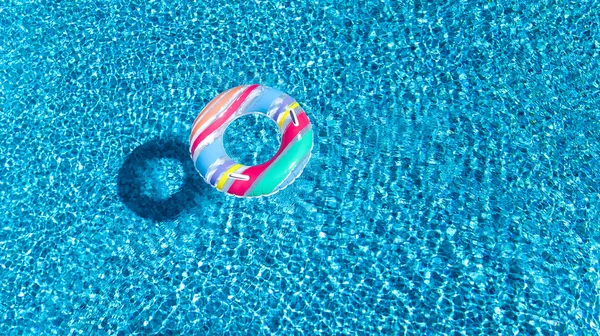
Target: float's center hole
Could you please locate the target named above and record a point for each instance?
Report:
(162, 178)
(252, 139)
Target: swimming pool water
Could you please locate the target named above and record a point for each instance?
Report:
(453, 187)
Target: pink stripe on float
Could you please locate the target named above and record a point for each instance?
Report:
(223, 118)
(210, 105)
(240, 187)
(213, 109)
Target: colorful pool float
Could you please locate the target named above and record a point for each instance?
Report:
(220, 171)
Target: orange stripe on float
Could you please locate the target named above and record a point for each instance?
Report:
(208, 106)
(209, 113)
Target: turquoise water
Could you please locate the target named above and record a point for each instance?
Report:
(453, 187)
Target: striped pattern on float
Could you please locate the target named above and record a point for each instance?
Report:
(219, 170)
(218, 117)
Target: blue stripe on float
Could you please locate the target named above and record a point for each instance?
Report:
(264, 101)
(209, 155)
(220, 170)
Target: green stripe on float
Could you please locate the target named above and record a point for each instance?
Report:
(280, 169)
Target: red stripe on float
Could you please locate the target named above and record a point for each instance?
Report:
(239, 187)
(221, 120)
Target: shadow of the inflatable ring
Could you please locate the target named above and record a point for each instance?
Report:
(131, 180)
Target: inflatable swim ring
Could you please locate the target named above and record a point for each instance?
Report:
(220, 171)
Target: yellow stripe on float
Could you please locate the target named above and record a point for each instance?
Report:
(282, 118)
(286, 114)
(225, 176)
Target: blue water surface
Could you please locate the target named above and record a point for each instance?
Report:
(453, 187)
